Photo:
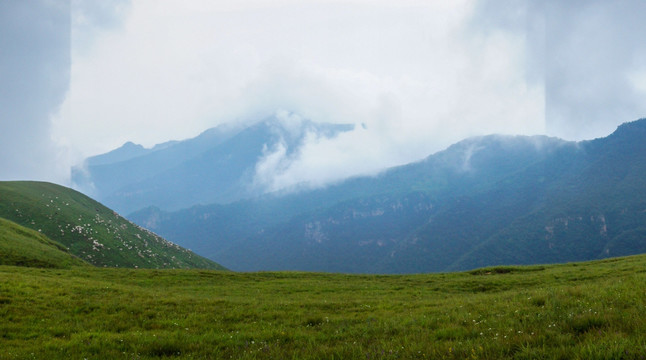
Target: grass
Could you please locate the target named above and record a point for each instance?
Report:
(90, 230)
(589, 310)
(21, 246)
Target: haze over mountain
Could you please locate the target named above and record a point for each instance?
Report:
(483, 201)
(76, 80)
(221, 165)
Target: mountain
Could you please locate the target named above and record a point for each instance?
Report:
(218, 166)
(88, 229)
(595, 208)
(128, 151)
(483, 201)
(20, 246)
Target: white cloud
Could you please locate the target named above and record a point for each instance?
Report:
(474, 84)
(636, 73)
(34, 74)
(638, 79)
(591, 46)
(420, 75)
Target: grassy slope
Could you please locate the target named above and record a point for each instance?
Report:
(586, 311)
(90, 230)
(25, 247)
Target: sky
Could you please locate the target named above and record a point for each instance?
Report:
(80, 77)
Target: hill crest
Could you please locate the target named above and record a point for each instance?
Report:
(90, 230)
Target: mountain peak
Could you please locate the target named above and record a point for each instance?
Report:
(632, 128)
(127, 151)
(217, 166)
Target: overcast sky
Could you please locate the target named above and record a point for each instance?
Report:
(82, 77)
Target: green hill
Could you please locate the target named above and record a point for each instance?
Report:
(589, 310)
(90, 230)
(21, 246)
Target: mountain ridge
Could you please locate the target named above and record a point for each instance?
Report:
(217, 166)
(467, 206)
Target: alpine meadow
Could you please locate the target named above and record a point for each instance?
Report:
(573, 311)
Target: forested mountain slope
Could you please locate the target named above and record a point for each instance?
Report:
(483, 201)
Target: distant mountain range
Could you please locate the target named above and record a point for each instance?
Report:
(483, 201)
(218, 166)
(48, 225)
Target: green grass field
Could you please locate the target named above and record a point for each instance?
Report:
(25, 247)
(593, 310)
(90, 230)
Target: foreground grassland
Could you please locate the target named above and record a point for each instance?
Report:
(588, 311)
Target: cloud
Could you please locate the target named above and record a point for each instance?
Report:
(459, 83)
(415, 75)
(90, 19)
(594, 55)
(569, 69)
(412, 72)
(34, 75)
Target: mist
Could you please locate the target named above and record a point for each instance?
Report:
(412, 76)
(34, 76)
